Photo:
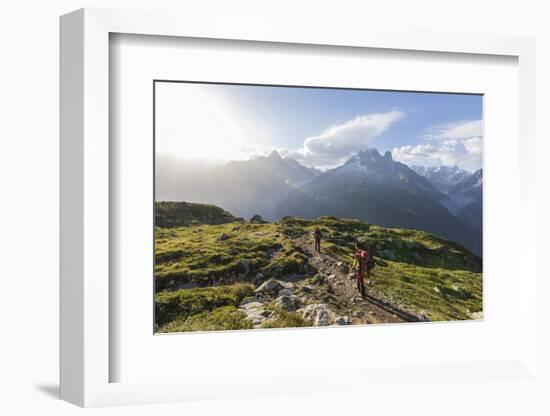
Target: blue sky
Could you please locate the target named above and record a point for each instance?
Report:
(317, 126)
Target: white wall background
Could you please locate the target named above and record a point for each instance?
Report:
(29, 206)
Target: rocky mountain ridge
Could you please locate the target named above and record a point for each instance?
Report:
(367, 186)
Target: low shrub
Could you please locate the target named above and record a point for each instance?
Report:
(284, 319)
(221, 319)
(180, 304)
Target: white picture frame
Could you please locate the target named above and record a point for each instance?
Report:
(85, 212)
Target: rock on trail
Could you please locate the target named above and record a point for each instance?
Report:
(319, 314)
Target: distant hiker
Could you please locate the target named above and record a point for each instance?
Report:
(362, 262)
(317, 235)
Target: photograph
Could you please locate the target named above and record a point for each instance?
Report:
(281, 206)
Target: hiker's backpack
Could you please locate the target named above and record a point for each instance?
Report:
(368, 259)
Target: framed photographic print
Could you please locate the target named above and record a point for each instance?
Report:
(288, 206)
(319, 212)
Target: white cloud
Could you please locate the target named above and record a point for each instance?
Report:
(337, 143)
(458, 143)
(465, 153)
(473, 145)
(458, 130)
(422, 154)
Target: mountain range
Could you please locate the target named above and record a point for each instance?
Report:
(462, 187)
(244, 188)
(369, 186)
(442, 177)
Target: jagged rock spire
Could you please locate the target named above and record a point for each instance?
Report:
(275, 155)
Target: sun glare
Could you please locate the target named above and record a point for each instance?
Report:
(195, 122)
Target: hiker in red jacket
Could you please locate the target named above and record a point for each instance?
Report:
(362, 262)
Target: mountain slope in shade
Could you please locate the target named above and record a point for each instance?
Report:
(287, 169)
(469, 193)
(472, 214)
(462, 187)
(468, 190)
(247, 188)
(376, 188)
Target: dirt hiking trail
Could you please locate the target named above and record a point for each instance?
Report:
(370, 309)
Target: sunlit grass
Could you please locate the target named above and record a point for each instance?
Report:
(203, 272)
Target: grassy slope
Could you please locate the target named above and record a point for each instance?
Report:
(415, 269)
(177, 214)
(425, 273)
(202, 309)
(197, 255)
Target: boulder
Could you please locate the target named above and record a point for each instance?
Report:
(223, 237)
(341, 320)
(307, 289)
(256, 318)
(271, 286)
(257, 219)
(250, 299)
(286, 292)
(251, 306)
(288, 303)
(259, 276)
(319, 314)
(477, 315)
(266, 314)
(423, 316)
(255, 312)
(287, 285)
